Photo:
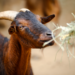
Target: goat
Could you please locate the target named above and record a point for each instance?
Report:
(27, 31)
(44, 7)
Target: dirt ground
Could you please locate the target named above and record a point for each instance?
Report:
(43, 62)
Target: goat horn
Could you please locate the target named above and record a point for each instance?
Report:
(24, 10)
(8, 15)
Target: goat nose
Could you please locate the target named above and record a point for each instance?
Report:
(46, 36)
(49, 34)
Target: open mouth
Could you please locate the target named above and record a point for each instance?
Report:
(47, 43)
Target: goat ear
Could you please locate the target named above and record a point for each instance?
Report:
(12, 29)
(47, 19)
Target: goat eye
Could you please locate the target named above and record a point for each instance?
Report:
(21, 27)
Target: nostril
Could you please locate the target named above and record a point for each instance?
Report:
(48, 34)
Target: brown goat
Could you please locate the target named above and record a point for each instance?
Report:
(44, 7)
(27, 31)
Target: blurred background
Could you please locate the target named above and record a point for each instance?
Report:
(43, 61)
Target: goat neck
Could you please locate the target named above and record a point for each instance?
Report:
(17, 58)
